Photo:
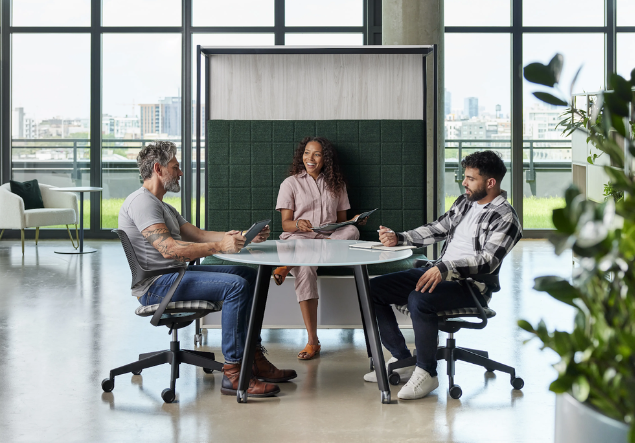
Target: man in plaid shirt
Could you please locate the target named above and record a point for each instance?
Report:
(479, 230)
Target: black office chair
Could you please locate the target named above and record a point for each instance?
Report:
(174, 315)
(451, 322)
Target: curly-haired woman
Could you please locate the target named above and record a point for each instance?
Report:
(312, 195)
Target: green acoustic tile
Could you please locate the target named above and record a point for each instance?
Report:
(262, 198)
(370, 199)
(239, 176)
(348, 131)
(283, 131)
(303, 128)
(391, 153)
(351, 174)
(391, 175)
(391, 198)
(240, 131)
(413, 175)
(413, 218)
(262, 131)
(283, 153)
(218, 131)
(280, 173)
(353, 197)
(240, 220)
(219, 199)
(369, 131)
(239, 154)
(393, 220)
(412, 131)
(218, 220)
(369, 153)
(413, 197)
(218, 177)
(261, 153)
(219, 154)
(391, 130)
(413, 154)
(240, 198)
(326, 129)
(370, 175)
(262, 176)
(348, 153)
(262, 214)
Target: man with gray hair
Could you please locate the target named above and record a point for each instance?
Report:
(161, 237)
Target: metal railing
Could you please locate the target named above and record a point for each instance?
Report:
(530, 169)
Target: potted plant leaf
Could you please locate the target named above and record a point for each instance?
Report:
(596, 371)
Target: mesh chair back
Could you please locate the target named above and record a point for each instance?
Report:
(138, 273)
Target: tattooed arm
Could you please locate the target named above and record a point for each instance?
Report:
(159, 236)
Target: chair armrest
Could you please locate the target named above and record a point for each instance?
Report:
(12, 214)
(421, 263)
(55, 199)
(481, 312)
(167, 299)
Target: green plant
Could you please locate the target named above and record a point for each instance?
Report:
(597, 358)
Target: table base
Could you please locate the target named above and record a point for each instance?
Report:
(75, 251)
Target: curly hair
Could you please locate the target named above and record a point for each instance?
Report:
(160, 152)
(489, 164)
(335, 181)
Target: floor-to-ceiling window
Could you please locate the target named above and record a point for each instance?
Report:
(93, 81)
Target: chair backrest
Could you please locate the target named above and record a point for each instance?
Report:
(138, 273)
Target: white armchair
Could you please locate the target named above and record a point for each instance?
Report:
(60, 208)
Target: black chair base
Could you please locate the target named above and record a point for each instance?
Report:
(450, 353)
(174, 356)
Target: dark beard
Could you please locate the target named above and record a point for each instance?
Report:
(477, 195)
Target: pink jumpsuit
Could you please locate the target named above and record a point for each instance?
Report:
(310, 200)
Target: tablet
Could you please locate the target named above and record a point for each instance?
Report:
(251, 233)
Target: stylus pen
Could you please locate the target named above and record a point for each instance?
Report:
(390, 231)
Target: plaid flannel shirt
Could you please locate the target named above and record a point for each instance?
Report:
(498, 230)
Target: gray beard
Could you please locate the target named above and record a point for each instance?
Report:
(172, 185)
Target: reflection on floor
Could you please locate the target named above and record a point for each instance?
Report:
(65, 321)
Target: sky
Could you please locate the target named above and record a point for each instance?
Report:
(143, 68)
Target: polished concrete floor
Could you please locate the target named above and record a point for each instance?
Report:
(66, 320)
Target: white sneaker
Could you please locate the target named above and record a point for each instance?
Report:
(404, 373)
(419, 385)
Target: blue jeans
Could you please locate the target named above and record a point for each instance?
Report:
(398, 289)
(234, 285)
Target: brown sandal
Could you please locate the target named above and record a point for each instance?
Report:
(309, 352)
(280, 273)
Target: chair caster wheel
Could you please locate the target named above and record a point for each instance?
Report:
(168, 395)
(517, 383)
(372, 366)
(394, 379)
(489, 369)
(385, 397)
(137, 372)
(208, 371)
(456, 392)
(107, 384)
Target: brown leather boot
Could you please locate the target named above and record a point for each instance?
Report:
(264, 370)
(231, 374)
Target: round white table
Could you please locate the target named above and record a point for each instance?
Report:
(81, 190)
(310, 252)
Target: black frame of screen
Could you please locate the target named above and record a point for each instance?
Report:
(208, 52)
(96, 30)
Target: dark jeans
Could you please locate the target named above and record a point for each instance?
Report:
(398, 289)
(234, 285)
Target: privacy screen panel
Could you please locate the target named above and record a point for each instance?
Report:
(383, 161)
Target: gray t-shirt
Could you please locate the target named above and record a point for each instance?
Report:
(140, 210)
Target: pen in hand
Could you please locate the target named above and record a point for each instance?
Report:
(390, 231)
